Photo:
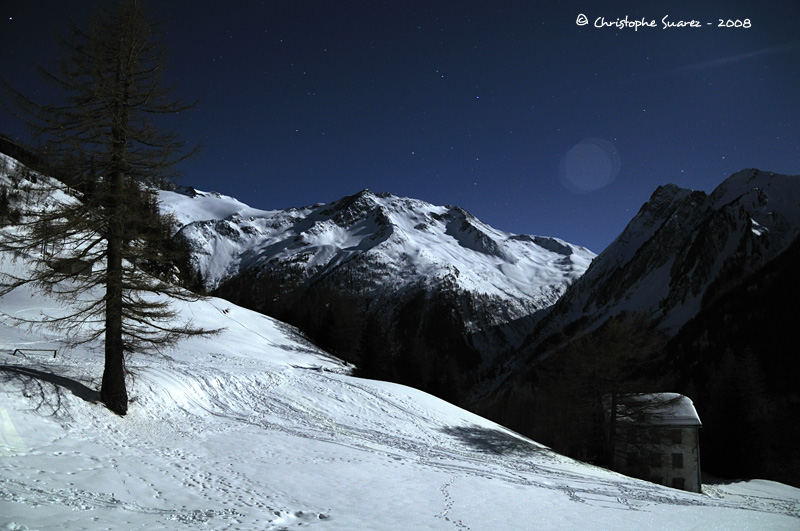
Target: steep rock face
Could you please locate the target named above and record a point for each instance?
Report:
(738, 360)
(682, 250)
(385, 255)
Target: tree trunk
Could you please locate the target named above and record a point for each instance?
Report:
(113, 392)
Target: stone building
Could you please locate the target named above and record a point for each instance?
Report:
(657, 438)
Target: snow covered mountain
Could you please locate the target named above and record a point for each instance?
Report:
(682, 251)
(256, 429)
(392, 242)
(389, 257)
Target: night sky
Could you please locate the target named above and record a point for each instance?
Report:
(512, 110)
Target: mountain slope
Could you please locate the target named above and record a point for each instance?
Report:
(682, 250)
(256, 429)
(737, 357)
(417, 277)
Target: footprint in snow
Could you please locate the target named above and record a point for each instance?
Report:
(287, 518)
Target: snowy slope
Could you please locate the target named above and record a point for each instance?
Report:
(189, 205)
(256, 429)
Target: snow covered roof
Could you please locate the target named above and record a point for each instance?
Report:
(667, 409)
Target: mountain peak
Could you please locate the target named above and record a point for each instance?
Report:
(364, 195)
(684, 248)
(377, 247)
(354, 208)
(423, 240)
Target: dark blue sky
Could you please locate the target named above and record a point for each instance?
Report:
(512, 110)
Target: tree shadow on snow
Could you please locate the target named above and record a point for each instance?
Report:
(493, 441)
(34, 385)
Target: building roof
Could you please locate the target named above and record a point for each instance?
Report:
(664, 409)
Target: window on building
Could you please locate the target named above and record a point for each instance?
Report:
(676, 436)
(678, 483)
(677, 460)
